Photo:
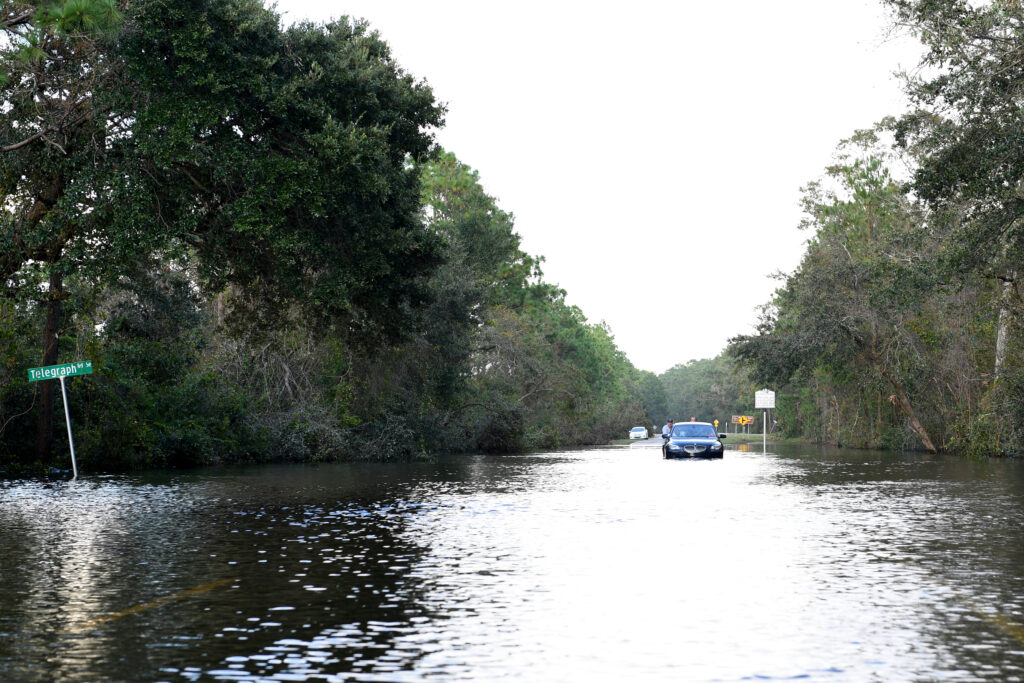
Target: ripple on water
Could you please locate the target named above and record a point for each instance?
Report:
(599, 565)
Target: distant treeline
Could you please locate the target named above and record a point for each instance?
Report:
(250, 232)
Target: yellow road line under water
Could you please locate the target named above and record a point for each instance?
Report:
(1012, 628)
(1006, 624)
(99, 621)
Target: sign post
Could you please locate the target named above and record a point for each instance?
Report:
(764, 399)
(60, 372)
(67, 421)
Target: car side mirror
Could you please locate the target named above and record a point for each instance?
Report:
(722, 436)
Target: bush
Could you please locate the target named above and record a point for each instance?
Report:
(131, 423)
(501, 432)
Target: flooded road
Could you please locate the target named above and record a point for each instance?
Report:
(594, 565)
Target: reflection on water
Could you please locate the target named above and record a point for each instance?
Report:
(595, 565)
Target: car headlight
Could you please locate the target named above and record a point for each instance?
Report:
(716, 446)
(675, 447)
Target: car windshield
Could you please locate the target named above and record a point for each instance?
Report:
(637, 429)
(695, 430)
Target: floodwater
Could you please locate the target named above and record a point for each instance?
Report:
(597, 565)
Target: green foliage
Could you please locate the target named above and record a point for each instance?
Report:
(286, 169)
(708, 390)
(55, 161)
(18, 396)
(653, 398)
(479, 235)
(150, 402)
(965, 126)
(497, 362)
(81, 17)
(575, 384)
(965, 130)
(250, 233)
(134, 423)
(277, 165)
(852, 312)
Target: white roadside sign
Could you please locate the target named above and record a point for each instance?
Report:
(764, 399)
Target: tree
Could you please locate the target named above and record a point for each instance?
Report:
(653, 398)
(506, 362)
(855, 303)
(281, 163)
(709, 389)
(55, 90)
(966, 130)
(479, 235)
(289, 168)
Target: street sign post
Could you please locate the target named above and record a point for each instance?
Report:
(83, 367)
(764, 399)
(742, 421)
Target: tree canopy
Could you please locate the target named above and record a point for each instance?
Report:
(278, 165)
(268, 258)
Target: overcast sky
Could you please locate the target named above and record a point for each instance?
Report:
(653, 152)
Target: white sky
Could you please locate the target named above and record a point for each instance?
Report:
(651, 151)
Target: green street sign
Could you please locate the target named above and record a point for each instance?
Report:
(82, 367)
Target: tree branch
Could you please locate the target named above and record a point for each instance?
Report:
(28, 140)
(63, 124)
(18, 20)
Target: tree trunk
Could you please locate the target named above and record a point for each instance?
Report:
(901, 399)
(1003, 333)
(48, 390)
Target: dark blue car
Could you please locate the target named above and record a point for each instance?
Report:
(693, 440)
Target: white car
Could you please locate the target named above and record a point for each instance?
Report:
(638, 433)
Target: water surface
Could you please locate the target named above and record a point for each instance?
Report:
(593, 565)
